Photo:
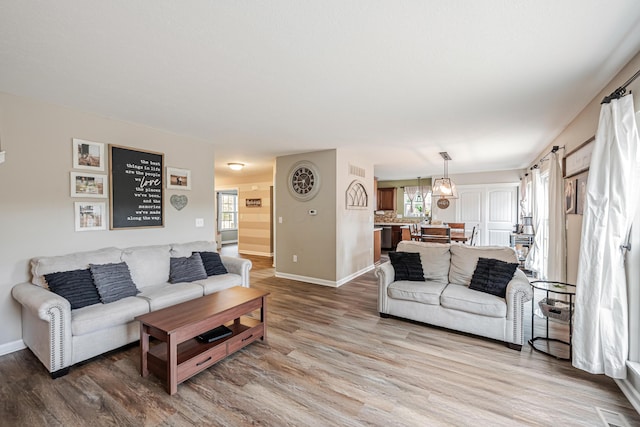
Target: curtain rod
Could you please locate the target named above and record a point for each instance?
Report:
(621, 91)
(553, 150)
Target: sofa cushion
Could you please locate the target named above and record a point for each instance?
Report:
(186, 269)
(113, 281)
(75, 261)
(424, 292)
(75, 286)
(460, 297)
(464, 259)
(101, 316)
(435, 258)
(186, 249)
(161, 296)
(212, 263)
(407, 266)
(219, 282)
(492, 276)
(149, 265)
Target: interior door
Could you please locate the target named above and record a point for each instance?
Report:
(491, 208)
(471, 208)
(501, 214)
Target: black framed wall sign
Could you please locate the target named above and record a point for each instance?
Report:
(136, 188)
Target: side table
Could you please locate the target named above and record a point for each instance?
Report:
(555, 309)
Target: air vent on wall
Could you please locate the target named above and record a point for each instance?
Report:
(357, 171)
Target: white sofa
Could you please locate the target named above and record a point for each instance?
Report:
(444, 298)
(61, 337)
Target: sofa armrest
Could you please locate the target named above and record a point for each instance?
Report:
(46, 325)
(518, 292)
(386, 275)
(239, 266)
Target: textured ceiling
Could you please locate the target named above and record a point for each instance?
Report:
(491, 82)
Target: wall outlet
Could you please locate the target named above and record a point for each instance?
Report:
(199, 222)
(295, 258)
(2, 156)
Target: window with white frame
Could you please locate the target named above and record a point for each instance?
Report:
(228, 211)
(414, 205)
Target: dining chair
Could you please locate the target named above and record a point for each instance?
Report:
(436, 234)
(474, 234)
(416, 234)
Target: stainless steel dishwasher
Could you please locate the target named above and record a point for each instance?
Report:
(385, 239)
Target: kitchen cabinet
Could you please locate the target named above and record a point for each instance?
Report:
(377, 244)
(387, 199)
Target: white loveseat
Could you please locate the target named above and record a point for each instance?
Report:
(61, 337)
(445, 299)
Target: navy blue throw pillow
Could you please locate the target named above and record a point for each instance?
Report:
(407, 266)
(212, 263)
(492, 276)
(75, 286)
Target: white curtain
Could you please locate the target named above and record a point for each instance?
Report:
(534, 259)
(600, 336)
(411, 193)
(556, 258)
(525, 209)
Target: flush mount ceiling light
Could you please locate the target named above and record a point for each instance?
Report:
(444, 188)
(235, 166)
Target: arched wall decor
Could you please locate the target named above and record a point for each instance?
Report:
(356, 196)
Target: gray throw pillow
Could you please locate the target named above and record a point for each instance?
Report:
(113, 281)
(185, 269)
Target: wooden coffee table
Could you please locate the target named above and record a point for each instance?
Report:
(180, 356)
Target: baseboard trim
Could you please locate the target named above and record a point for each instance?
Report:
(267, 254)
(627, 388)
(324, 282)
(10, 347)
(356, 274)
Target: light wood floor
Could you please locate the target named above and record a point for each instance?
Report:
(330, 361)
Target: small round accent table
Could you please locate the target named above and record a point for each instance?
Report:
(559, 309)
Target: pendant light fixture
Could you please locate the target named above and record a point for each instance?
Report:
(444, 188)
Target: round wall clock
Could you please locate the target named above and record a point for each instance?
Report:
(304, 181)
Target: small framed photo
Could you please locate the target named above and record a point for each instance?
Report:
(89, 185)
(90, 216)
(570, 195)
(178, 179)
(88, 155)
(581, 192)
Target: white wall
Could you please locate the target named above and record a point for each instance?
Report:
(354, 227)
(36, 210)
(336, 244)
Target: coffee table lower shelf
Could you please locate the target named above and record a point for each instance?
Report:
(194, 356)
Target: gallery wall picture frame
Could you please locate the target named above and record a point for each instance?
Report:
(89, 185)
(578, 160)
(90, 216)
(581, 191)
(136, 188)
(570, 195)
(178, 179)
(88, 155)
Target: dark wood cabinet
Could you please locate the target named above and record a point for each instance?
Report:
(387, 199)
